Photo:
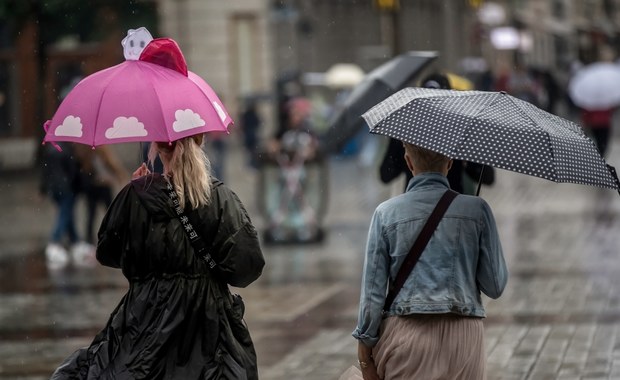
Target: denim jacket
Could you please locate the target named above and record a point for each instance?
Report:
(463, 257)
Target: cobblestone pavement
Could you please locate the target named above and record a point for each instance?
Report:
(559, 317)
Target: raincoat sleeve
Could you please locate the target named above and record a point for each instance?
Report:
(374, 284)
(492, 273)
(113, 229)
(236, 248)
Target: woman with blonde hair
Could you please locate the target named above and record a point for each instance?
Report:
(180, 238)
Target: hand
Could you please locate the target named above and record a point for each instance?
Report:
(141, 171)
(370, 372)
(364, 354)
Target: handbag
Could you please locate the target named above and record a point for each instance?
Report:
(237, 354)
(418, 247)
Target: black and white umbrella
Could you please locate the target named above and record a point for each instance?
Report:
(495, 129)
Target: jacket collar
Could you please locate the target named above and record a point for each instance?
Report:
(429, 179)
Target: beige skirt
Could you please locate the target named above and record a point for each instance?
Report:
(431, 347)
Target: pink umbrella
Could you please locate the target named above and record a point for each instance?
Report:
(154, 98)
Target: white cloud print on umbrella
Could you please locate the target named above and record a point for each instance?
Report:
(186, 119)
(70, 127)
(125, 127)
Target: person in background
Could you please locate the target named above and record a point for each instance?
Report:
(216, 147)
(170, 323)
(100, 172)
(59, 182)
(598, 124)
(297, 126)
(433, 329)
(521, 84)
(250, 126)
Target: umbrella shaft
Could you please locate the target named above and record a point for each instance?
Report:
(480, 180)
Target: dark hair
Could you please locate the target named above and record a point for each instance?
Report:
(436, 80)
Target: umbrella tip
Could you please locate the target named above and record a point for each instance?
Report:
(614, 174)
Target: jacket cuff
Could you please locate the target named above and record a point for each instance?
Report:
(364, 338)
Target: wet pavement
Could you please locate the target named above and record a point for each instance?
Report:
(559, 317)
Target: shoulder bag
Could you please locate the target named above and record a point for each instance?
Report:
(418, 247)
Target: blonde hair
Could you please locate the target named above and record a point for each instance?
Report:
(426, 160)
(189, 169)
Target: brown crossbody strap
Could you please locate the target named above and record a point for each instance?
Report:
(418, 247)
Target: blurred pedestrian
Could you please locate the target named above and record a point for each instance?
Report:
(216, 147)
(548, 89)
(291, 216)
(250, 126)
(598, 124)
(176, 321)
(521, 84)
(59, 182)
(101, 172)
(433, 328)
(297, 123)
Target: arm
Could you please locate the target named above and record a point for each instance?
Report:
(114, 226)
(374, 284)
(492, 273)
(239, 255)
(112, 163)
(366, 361)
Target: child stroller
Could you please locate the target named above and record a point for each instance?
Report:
(293, 182)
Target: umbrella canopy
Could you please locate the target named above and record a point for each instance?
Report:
(495, 129)
(154, 98)
(596, 86)
(375, 87)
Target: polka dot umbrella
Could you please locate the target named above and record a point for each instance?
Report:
(495, 129)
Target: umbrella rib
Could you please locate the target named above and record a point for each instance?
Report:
(547, 135)
(105, 89)
(160, 108)
(475, 116)
(210, 102)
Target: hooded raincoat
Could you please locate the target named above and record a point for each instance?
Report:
(169, 324)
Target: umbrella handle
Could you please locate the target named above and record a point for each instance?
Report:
(480, 180)
(612, 170)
